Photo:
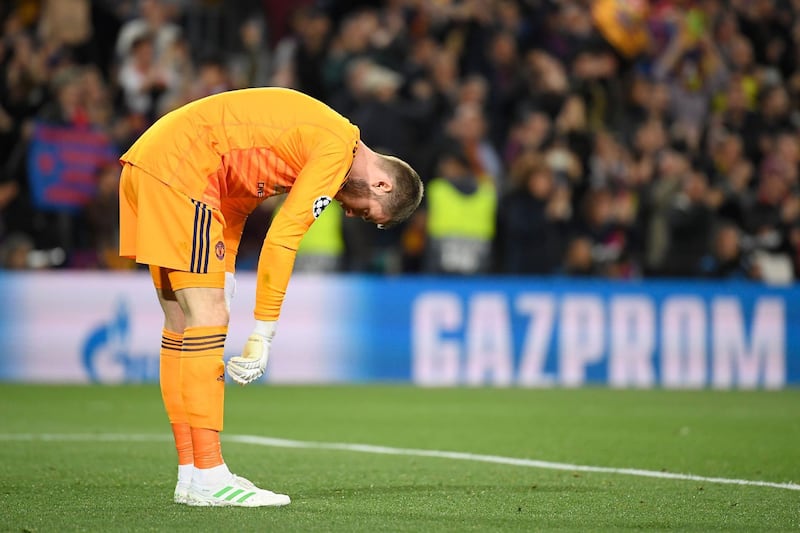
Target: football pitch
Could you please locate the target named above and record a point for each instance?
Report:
(396, 458)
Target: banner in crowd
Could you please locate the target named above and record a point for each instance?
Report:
(63, 163)
(81, 327)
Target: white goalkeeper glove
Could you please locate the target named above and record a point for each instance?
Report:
(251, 365)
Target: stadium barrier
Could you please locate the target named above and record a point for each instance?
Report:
(92, 327)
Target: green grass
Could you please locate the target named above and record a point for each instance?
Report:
(127, 486)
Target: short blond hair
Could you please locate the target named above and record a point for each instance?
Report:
(407, 190)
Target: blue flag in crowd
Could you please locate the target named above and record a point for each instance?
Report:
(63, 162)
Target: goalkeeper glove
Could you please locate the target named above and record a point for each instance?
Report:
(251, 365)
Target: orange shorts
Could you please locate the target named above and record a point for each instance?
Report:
(163, 227)
(169, 281)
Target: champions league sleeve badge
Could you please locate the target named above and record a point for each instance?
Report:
(319, 205)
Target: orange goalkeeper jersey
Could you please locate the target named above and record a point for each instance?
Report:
(235, 149)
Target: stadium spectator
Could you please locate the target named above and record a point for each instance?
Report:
(571, 126)
(250, 65)
(532, 220)
(657, 199)
(690, 220)
(300, 57)
(735, 196)
(154, 19)
(727, 259)
(468, 130)
(544, 83)
(774, 115)
(59, 151)
(392, 122)
(606, 225)
(144, 81)
(633, 93)
(66, 26)
(213, 77)
(650, 137)
(578, 259)
(445, 76)
(609, 162)
(352, 41)
(460, 210)
(737, 115)
(102, 216)
(372, 99)
(501, 77)
(530, 133)
(15, 252)
(648, 100)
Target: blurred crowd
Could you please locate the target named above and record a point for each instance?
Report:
(612, 138)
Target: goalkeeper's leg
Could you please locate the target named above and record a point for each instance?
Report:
(170, 381)
(203, 389)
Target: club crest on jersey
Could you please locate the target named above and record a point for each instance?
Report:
(319, 205)
(219, 249)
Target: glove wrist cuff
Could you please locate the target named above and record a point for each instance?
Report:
(266, 328)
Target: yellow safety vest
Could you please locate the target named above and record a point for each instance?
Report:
(454, 214)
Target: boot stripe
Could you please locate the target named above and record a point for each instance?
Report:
(221, 492)
(233, 494)
(243, 498)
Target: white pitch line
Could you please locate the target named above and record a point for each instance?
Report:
(386, 450)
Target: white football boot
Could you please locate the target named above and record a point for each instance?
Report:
(181, 494)
(237, 492)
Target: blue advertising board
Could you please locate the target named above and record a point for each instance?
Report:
(527, 332)
(559, 332)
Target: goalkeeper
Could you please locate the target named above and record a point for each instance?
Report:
(187, 186)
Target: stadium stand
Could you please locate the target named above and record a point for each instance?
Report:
(622, 139)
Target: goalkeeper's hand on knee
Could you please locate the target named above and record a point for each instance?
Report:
(250, 366)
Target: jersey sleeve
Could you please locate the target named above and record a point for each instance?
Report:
(314, 188)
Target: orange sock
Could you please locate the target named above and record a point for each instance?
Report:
(207, 448)
(203, 389)
(183, 442)
(170, 381)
